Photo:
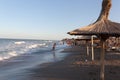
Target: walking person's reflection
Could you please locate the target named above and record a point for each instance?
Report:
(54, 56)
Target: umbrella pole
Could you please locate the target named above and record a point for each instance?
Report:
(92, 48)
(102, 66)
(87, 48)
(118, 39)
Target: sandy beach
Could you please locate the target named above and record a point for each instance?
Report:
(54, 40)
(75, 67)
(70, 63)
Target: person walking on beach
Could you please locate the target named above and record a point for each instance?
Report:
(54, 45)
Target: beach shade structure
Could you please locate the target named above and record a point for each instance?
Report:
(88, 38)
(85, 38)
(103, 28)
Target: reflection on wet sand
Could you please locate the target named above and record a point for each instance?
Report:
(54, 56)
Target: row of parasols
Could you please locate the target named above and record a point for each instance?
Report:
(103, 28)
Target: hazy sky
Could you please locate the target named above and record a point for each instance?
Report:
(49, 19)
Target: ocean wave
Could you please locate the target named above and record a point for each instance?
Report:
(11, 48)
(19, 42)
(36, 45)
(13, 53)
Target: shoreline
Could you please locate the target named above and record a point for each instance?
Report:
(74, 67)
(67, 64)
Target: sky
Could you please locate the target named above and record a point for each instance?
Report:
(49, 19)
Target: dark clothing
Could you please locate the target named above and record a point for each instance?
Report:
(54, 45)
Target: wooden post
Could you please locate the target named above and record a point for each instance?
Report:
(102, 66)
(92, 48)
(87, 48)
(118, 40)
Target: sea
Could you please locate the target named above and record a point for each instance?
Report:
(16, 47)
(18, 57)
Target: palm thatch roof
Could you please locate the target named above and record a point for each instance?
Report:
(102, 26)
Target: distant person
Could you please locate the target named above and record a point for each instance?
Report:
(63, 42)
(54, 45)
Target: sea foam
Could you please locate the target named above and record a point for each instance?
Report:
(10, 48)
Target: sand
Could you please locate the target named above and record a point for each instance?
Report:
(68, 64)
(76, 67)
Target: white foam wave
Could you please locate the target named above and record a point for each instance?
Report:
(32, 46)
(16, 48)
(6, 57)
(36, 45)
(1, 59)
(13, 53)
(42, 44)
(19, 42)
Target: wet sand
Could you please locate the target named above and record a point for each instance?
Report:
(68, 64)
(75, 67)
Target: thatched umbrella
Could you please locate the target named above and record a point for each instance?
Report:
(103, 28)
(88, 38)
(85, 38)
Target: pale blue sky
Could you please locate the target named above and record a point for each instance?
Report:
(49, 19)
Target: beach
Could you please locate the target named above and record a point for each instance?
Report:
(70, 63)
(17, 68)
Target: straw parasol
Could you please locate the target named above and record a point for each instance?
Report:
(85, 38)
(88, 38)
(103, 28)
